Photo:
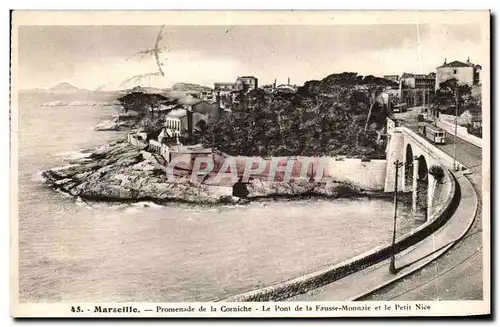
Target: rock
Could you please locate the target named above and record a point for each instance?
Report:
(108, 125)
(63, 181)
(144, 166)
(259, 188)
(118, 172)
(102, 191)
(116, 124)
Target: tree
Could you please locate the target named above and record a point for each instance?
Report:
(448, 93)
(327, 117)
(152, 126)
(141, 102)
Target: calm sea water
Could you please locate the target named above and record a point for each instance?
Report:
(71, 251)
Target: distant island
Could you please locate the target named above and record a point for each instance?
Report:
(65, 88)
(189, 87)
(68, 88)
(61, 88)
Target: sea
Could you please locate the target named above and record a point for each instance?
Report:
(74, 251)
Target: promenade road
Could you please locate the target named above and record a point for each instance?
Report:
(357, 284)
(458, 274)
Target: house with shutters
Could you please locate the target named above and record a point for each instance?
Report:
(465, 73)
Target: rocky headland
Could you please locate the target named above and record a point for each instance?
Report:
(117, 123)
(121, 172)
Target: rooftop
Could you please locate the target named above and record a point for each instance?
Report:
(457, 63)
(223, 83)
(407, 75)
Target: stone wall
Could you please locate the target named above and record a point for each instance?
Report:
(368, 175)
(136, 141)
(161, 149)
(303, 284)
(439, 193)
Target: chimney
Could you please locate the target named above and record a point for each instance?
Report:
(274, 84)
(288, 80)
(444, 61)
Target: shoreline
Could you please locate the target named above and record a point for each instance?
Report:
(120, 173)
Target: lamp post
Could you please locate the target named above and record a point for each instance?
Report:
(392, 267)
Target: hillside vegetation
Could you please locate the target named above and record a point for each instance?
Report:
(339, 115)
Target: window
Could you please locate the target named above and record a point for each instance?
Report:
(454, 71)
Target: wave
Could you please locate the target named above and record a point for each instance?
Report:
(55, 104)
(64, 167)
(146, 204)
(38, 177)
(73, 155)
(66, 195)
(79, 202)
(93, 103)
(59, 103)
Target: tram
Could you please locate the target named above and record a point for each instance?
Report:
(432, 133)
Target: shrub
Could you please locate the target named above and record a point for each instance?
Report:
(437, 172)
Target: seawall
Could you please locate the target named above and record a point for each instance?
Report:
(303, 284)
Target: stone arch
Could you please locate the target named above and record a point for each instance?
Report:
(408, 167)
(422, 185)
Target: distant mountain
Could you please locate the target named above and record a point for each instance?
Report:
(149, 90)
(65, 88)
(189, 87)
(36, 90)
(100, 88)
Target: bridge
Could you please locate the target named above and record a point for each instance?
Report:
(417, 176)
(419, 156)
(421, 161)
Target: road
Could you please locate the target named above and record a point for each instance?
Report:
(458, 274)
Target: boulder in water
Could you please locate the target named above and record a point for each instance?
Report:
(108, 125)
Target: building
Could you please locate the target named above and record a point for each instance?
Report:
(465, 73)
(185, 121)
(394, 78)
(269, 88)
(285, 88)
(224, 88)
(207, 95)
(242, 83)
(471, 117)
(416, 89)
(246, 83)
(225, 93)
(417, 81)
(210, 112)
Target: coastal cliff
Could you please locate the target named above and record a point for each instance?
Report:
(124, 173)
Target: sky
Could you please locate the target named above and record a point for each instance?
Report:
(93, 56)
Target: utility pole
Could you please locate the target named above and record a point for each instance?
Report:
(392, 267)
(455, 135)
(426, 104)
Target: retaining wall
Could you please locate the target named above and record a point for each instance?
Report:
(447, 123)
(440, 191)
(161, 149)
(134, 140)
(368, 175)
(330, 274)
